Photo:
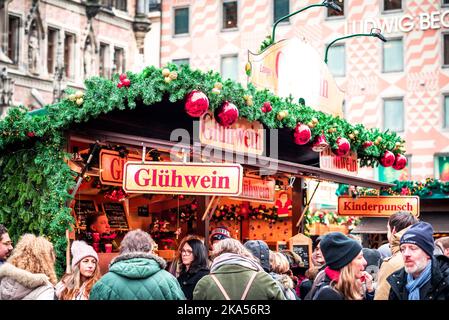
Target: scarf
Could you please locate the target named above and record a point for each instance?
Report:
(334, 275)
(413, 285)
(232, 258)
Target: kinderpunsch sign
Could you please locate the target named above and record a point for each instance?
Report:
(377, 206)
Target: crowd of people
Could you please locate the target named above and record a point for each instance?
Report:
(411, 267)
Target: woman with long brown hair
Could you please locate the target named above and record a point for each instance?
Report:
(345, 276)
(85, 272)
(29, 273)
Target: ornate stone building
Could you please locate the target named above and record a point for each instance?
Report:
(48, 45)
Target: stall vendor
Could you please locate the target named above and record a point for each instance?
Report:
(98, 232)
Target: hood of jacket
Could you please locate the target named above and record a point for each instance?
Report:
(396, 241)
(137, 265)
(16, 283)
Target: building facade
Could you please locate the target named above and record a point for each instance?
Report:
(49, 45)
(401, 85)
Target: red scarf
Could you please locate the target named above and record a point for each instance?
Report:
(334, 275)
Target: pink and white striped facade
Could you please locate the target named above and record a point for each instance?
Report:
(422, 84)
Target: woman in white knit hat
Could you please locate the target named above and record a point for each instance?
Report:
(85, 273)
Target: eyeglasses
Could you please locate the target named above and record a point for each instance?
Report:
(186, 252)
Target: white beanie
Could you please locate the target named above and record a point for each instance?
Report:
(81, 250)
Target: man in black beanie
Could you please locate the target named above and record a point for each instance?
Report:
(424, 276)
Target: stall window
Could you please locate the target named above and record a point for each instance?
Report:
(392, 5)
(393, 55)
(180, 62)
(13, 38)
(104, 65)
(230, 14)
(181, 20)
(230, 67)
(119, 60)
(442, 167)
(337, 60)
(394, 115)
(446, 112)
(389, 174)
(335, 13)
(52, 43)
(69, 52)
(446, 49)
(281, 8)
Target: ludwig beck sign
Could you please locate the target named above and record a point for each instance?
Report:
(377, 206)
(183, 178)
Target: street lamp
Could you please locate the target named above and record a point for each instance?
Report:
(375, 32)
(326, 3)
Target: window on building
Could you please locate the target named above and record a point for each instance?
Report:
(13, 38)
(393, 55)
(445, 2)
(179, 62)
(394, 115)
(69, 53)
(229, 14)
(446, 49)
(119, 60)
(389, 174)
(335, 13)
(281, 8)
(392, 5)
(52, 44)
(104, 65)
(181, 20)
(230, 67)
(120, 4)
(446, 112)
(337, 60)
(154, 5)
(442, 167)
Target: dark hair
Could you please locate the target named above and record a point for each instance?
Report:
(92, 219)
(199, 255)
(3, 231)
(401, 220)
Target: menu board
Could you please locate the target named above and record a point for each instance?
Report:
(116, 215)
(302, 250)
(82, 209)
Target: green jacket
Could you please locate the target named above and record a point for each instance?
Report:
(137, 276)
(234, 279)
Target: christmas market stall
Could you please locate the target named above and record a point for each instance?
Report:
(148, 151)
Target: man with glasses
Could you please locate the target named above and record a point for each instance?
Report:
(5, 244)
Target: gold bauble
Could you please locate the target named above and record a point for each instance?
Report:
(218, 85)
(79, 101)
(79, 94)
(173, 75)
(165, 72)
(167, 79)
(72, 97)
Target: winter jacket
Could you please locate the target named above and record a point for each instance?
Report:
(137, 276)
(286, 285)
(234, 279)
(388, 266)
(435, 289)
(189, 280)
(19, 284)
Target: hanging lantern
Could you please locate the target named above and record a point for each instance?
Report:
(320, 143)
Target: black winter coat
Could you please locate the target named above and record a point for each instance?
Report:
(189, 280)
(324, 291)
(435, 289)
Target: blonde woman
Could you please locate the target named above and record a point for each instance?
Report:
(345, 276)
(279, 272)
(29, 273)
(77, 284)
(236, 275)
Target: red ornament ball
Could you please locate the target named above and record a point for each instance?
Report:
(302, 134)
(267, 106)
(31, 134)
(126, 82)
(227, 114)
(119, 85)
(123, 76)
(196, 104)
(343, 147)
(367, 144)
(400, 162)
(388, 158)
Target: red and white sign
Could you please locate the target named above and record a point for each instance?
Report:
(258, 190)
(346, 165)
(243, 136)
(219, 179)
(111, 167)
(381, 206)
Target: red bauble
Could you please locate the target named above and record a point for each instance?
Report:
(119, 85)
(227, 114)
(123, 76)
(400, 162)
(343, 147)
(267, 106)
(196, 104)
(126, 82)
(320, 144)
(367, 144)
(387, 159)
(302, 134)
(263, 109)
(31, 134)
